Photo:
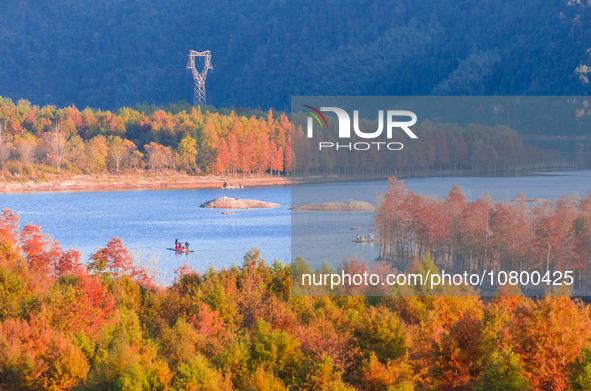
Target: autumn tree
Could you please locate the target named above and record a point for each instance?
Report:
(158, 156)
(251, 285)
(289, 156)
(395, 374)
(9, 238)
(114, 259)
(55, 144)
(5, 147)
(503, 372)
(239, 327)
(248, 155)
(223, 158)
(25, 147)
(234, 151)
(42, 254)
(263, 155)
(391, 219)
(80, 303)
(277, 351)
(119, 151)
(565, 212)
(454, 210)
(97, 150)
(548, 346)
(581, 371)
(77, 152)
(383, 333)
(276, 158)
(582, 229)
(458, 357)
(187, 150)
(34, 356)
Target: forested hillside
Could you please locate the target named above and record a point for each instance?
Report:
(105, 326)
(112, 53)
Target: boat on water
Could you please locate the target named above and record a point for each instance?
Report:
(365, 240)
(225, 186)
(181, 251)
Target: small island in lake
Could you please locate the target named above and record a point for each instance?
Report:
(333, 206)
(235, 203)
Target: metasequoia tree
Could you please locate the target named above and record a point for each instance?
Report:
(223, 158)
(516, 235)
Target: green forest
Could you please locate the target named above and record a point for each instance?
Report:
(110, 53)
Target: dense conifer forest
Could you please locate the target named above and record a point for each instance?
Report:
(110, 53)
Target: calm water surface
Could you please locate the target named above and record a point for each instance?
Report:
(148, 221)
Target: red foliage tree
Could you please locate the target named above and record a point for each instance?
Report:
(114, 259)
(9, 253)
(207, 322)
(234, 151)
(223, 158)
(45, 257)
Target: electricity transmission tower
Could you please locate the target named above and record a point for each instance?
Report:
(199, 77)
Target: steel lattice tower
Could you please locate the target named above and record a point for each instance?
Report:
(199, 77)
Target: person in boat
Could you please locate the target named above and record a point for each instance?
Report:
(187, 246)
(358, 237)
(224, 185)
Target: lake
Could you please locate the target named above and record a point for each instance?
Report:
(148, 221)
